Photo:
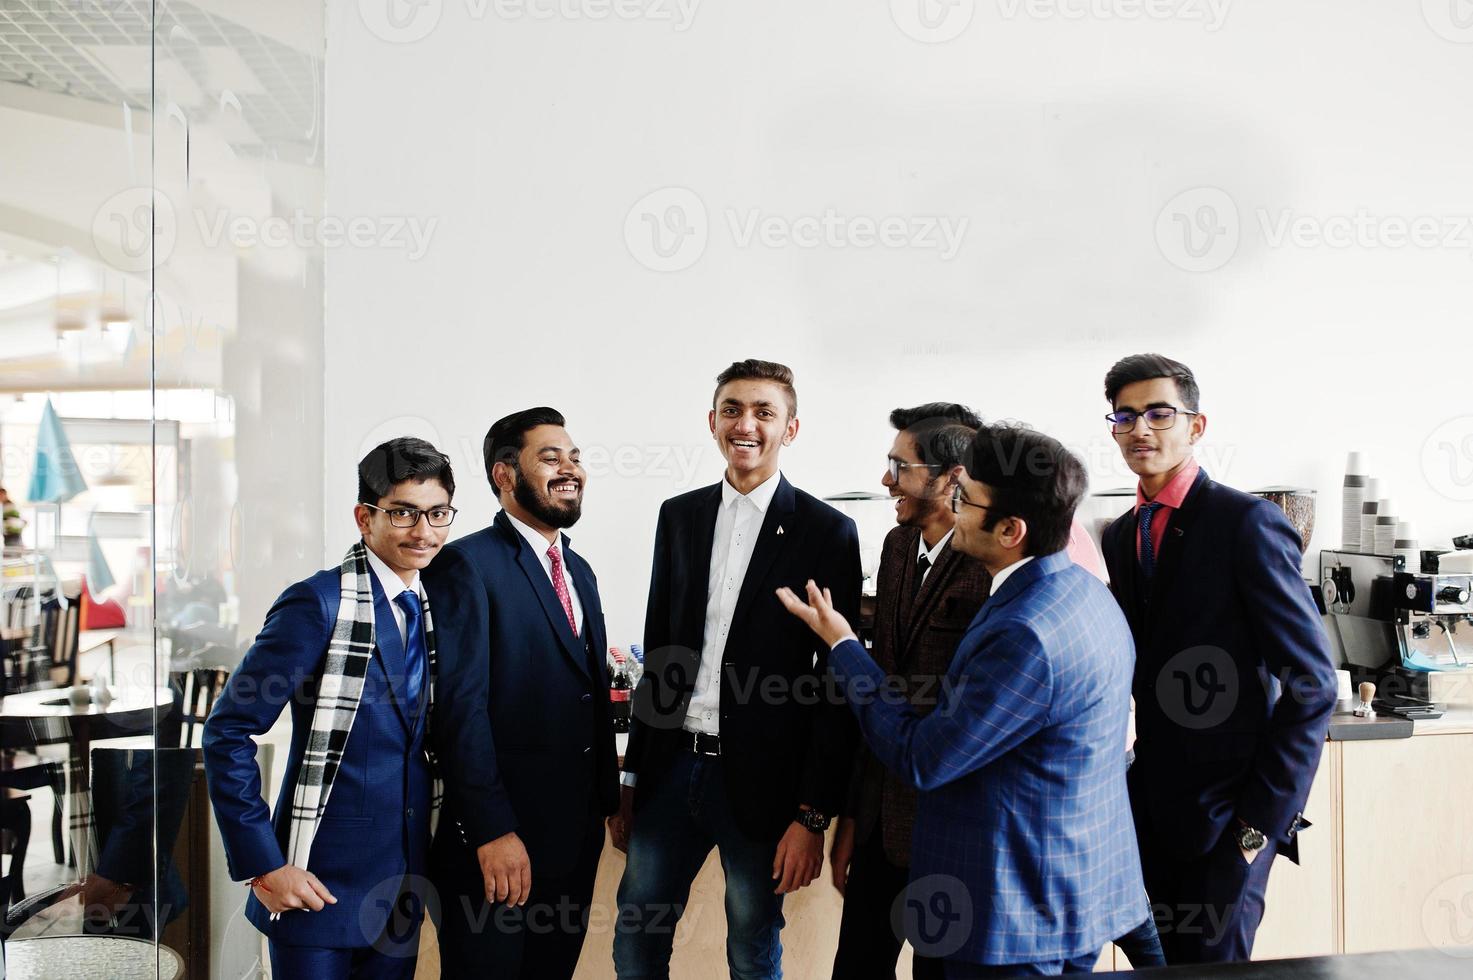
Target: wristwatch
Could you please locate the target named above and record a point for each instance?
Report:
(1250, 839)
(813, 820)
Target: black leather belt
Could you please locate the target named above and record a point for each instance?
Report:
(701, 743)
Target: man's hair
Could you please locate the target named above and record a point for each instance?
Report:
(398, 460)
(508, 436)
(1147, 367)
(753, 369)
(1031, 476)
(942, 432)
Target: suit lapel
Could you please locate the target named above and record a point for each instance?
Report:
(1122, 547)
(1178, 529)
(541, 586)
(932, 587)
(698, 568)
(593, 614)
(390, 649)
(769, 545)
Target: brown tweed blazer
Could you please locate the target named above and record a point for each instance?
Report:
(915, 642)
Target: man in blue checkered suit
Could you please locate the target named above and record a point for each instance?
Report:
(1024, 857)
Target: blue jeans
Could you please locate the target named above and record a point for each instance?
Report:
(686, 815)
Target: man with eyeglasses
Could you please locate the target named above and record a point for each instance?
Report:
(523, 728)
(1023, 857)
(1234, 683)
(337, 871)
(926, 595)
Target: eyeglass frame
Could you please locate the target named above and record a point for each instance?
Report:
(388, 511)
(958, 497)
(1115, 426)
(893, 466)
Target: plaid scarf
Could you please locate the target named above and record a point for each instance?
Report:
(338, 693)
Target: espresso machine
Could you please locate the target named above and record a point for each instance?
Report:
(1407, 630)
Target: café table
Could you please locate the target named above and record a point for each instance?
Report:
(48, 715)
(115, 957)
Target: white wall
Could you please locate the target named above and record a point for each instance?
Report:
(1063, 142)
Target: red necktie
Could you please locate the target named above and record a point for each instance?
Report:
(560, 586)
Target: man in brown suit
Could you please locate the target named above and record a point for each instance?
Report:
(927, 596)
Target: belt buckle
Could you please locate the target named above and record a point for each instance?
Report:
(699, 741)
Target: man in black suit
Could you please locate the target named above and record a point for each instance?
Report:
(521, 723)
(738, 742)
(1234, 683)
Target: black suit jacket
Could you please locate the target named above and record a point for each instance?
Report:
(521, 724)
(1228, 619)
(786, 737)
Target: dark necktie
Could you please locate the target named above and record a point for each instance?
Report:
(922, 563)
(1145, 514)
(415, 657)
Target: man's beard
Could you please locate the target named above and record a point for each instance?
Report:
(553, 514)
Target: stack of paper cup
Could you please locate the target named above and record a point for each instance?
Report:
(1368, 516)
(1385, 533)
(1407, 549)
(1352, 496)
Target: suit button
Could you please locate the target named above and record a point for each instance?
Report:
(586, 698)
(409, 813)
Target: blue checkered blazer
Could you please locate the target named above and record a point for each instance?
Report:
(1024, 849)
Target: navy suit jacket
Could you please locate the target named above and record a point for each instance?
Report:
(376, 827)
(521, 727)
(1024, 849)
(784, 739)
(1234, 682)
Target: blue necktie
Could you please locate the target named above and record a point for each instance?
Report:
(415, 657)
(1145, 515)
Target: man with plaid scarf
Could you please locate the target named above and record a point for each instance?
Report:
(337, 870)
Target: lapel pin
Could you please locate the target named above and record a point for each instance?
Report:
(779, 529)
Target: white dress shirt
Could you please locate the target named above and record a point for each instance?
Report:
(932, 555)
(540, 548)
(738, 522)
(1002, 576)
(392, 586)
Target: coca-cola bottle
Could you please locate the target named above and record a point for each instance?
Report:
(619, 689)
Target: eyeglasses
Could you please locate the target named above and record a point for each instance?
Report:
(958, 498)
(409, 516)
(1156, 418)
(894, 466)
